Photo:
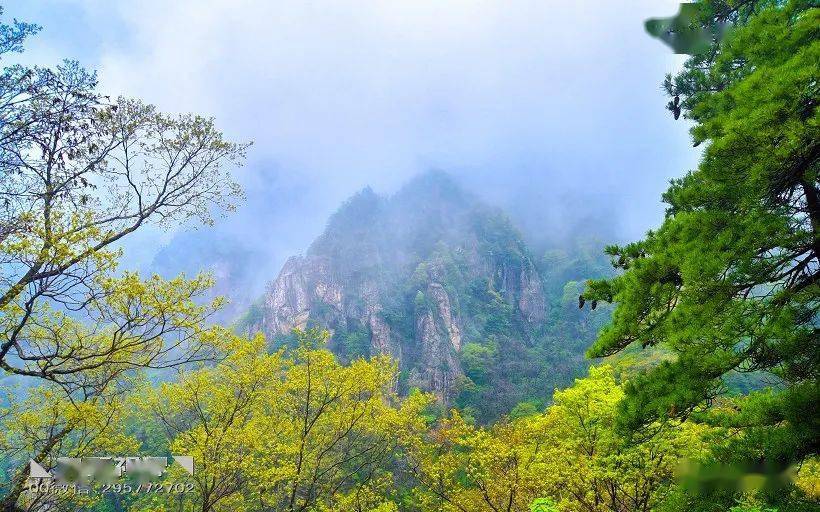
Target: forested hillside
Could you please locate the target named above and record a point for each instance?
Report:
(447, 286)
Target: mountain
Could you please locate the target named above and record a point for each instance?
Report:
(234, 265)
(440, 281)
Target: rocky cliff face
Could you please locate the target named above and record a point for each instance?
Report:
(438, 341)
(416, 276)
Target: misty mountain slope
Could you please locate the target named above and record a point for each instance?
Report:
(440, 281)
(234, 264)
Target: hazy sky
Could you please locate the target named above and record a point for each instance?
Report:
(550, 109)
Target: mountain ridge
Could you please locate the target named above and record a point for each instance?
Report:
(431, 276)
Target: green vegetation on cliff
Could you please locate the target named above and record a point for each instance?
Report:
(448, 286)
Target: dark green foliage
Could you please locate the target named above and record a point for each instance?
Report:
(729, 283)
(287, 341)
(477, 359)
(354, 344)
(507, 363)
(488, 310)
(527, 408)
(386, 254)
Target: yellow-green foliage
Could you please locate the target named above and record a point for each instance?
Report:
(44, 424)
(289, 432)
(569, 453)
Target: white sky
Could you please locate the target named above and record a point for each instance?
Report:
(550, 109)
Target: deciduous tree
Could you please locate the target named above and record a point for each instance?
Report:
(290, 432)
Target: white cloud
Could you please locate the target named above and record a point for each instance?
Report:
(373, 87)
(527, 100)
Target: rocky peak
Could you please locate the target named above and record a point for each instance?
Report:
(415, 275)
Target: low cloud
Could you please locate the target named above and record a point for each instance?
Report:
(552, 110)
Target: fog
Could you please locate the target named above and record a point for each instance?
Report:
(550, 110)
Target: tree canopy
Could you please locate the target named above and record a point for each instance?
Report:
(729, 281)
(79, 172)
